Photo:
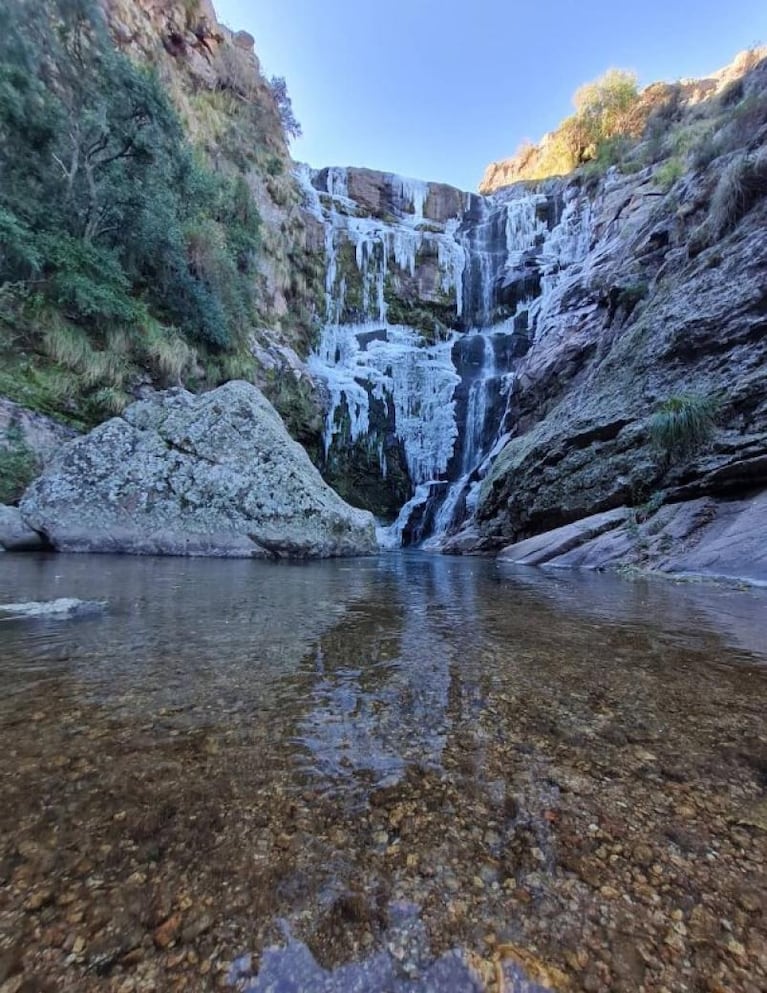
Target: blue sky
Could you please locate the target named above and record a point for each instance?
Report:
(437, 89)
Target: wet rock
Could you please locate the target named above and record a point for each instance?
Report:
(61, 608)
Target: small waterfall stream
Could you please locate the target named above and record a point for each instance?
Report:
(398, 252)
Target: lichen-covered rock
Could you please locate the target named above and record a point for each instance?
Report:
(179, 474)
(42, 435)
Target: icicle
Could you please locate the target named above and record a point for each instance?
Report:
(419, 381)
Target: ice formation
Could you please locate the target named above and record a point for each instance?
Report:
(502, 262)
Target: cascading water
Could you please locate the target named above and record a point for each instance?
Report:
(488, 267)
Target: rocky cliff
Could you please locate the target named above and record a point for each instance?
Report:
(478, 370)
(665, 307)
(540, 334)
(229, 108)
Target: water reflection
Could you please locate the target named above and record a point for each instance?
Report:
(574, 764)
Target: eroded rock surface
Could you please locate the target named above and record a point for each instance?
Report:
(721, 539)
(179, 474)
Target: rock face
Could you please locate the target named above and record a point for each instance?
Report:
(633, 324)
(179, 474)
(214, 77)
(42, 435)
(720, 539)
(524, 341)
(660, 298)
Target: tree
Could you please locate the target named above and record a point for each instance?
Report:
(290, 125)
(603, 108)
(99, 190)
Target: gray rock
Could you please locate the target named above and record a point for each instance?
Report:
(15, 536)
(603, 361)
(62, 607)
(44, 436)
(179, 474)
(713, 539)
(554, 545)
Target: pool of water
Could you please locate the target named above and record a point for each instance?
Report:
(405, 772)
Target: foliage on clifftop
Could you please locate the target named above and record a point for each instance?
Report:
(616, 123)
(127, 254)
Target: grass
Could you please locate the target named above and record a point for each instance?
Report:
(18, 467)
(669, 172)
(683, 424)
(741, 185)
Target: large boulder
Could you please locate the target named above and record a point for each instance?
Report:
(179, 474)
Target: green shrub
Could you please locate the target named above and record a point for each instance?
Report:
(18, 467)
(683, 424)
(121, 250)
(669, 172)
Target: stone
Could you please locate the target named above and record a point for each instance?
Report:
(699, 538)
(178, 474)
(15, 536)
(166, 934)
(244, 40)
(551, 545)
(42, 435)
(62, 607)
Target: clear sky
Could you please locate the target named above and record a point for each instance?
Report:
(436, 89)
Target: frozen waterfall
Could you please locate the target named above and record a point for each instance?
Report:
(431, 298)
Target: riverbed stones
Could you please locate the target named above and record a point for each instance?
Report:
(178, 474)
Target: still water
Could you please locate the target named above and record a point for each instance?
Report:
(399, 773)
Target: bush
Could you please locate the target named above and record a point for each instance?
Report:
(604, 108)
(18, 467)
(119, 246)
(741, 184)
(683, 424)
(669, 172)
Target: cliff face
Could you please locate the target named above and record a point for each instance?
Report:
(635, 323)
(486, 368)
(503, 359)
(229, 109)
(666, 307)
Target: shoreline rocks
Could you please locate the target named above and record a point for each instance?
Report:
(16, 536)
(696, 539)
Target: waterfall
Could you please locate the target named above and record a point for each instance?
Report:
(472, 441)
(363, 362)
(490, 270)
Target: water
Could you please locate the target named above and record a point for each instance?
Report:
(501, 263)
(405, 772)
